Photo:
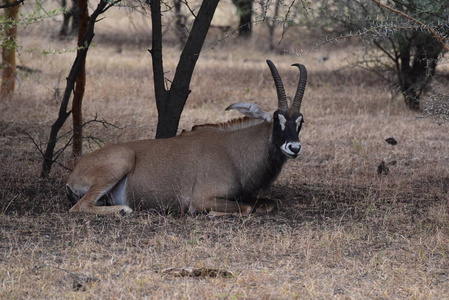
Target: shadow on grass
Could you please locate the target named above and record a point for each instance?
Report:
(318, 203)
(303, 203)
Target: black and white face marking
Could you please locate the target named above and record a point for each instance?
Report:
(290, 125)
(299, 122)
(283, 120)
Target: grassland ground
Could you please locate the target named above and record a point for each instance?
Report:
(341, 229)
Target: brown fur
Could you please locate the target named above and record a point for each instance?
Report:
(193, 171)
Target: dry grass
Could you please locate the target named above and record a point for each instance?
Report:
(341, 230)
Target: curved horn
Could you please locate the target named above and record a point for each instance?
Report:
(282, 97)
(301, 88)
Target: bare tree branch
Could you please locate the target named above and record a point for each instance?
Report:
(186, 3)
(57, 153)
(284, 24)
(384, 51)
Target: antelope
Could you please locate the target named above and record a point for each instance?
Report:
(215, 168)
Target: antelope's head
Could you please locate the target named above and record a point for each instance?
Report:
(286, 121)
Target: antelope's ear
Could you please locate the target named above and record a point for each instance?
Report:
(251, 110)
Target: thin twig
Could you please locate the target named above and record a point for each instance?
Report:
(358, 33)
(103, 122)
(284, 27)
(109, 6)
(60, 151)
(189, 8)
(38, 147)
(384, 51)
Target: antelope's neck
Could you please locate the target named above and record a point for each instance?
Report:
(262, 161)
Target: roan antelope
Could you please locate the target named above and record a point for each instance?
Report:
(213, 168)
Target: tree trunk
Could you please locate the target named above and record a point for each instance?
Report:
(170, 103)
(180, 24)
(245, 10)
(78, 94)
(71, 13)
(9, 51)
(271, 25)
(75, 20)
(65, 19)
(416, 73)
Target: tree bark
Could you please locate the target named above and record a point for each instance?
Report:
(170, 103)
(9, 71)
(80, 84)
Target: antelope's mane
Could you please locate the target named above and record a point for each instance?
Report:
(231, 125)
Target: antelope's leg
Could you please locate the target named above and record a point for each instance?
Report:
(103, 173)
(220, 206)
(95, 192)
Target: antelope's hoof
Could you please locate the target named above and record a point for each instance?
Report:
(213, 214)
(265, 206)
(246, 210)
(126, 210)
